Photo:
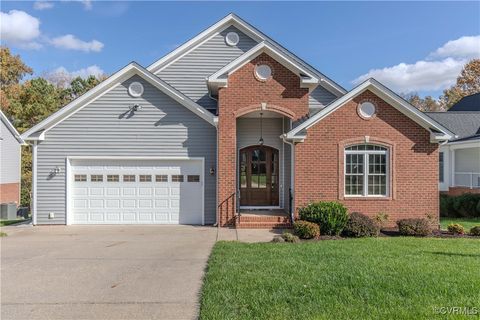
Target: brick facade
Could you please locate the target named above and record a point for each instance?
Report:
(10, 192)
(457, 191)
(244, 94)
(413, 171)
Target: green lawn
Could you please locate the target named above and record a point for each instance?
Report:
(467, 223)
(9, 222)
(374, 278)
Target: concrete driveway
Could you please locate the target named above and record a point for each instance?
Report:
(103, 272)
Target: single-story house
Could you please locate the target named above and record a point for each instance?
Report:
(459, 159)
(10, 161)
(231, 129)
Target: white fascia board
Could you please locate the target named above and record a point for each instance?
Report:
(251, 54)
(249, 30)
(464, 144)
(384, 93)
(11, 128)
(125, 73)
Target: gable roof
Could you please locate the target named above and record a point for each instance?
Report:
(438, 131)
(468, 103)
(38, 131)
(463, 124)
(11, 128)
(220, 78)
(252, 32)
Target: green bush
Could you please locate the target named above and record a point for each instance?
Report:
(475, 231)
(455, 228)
(414, 227)
(330, 216)
(359, 225)
(306, 230)
(465, 205)
(288, 237)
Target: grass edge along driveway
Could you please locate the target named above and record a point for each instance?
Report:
(372, 278)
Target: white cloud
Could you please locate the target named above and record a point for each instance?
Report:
(20, 29)
(42, 5)
(464, 47)
(87, 4)
(437, 72)
(62, 77)
(70, 42)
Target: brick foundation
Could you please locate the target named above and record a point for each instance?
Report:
(456, 191)
(10, 192)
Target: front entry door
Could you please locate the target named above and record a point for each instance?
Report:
(258, 176)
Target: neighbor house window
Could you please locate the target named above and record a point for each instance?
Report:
(440, 166)
(366, 170)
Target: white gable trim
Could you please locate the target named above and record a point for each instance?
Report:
(114, 80)
(216, 80)
(255, 34)
(386, 94)
(11, 128)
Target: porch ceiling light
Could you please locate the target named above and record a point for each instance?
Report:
(260, 141)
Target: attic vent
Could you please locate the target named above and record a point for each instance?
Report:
(135, 89)
(232, 39)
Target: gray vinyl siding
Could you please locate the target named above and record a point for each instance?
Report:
(162, 128)
(319, 98)
(9, 156)
(248, 134)
(188, 74)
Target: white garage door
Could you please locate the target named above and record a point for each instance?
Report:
(136, 192)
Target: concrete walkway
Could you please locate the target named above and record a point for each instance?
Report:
(247, 235)
(103, 272)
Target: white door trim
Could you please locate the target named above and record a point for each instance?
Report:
(68, 179)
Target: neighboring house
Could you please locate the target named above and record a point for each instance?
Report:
(231, 128)
(459, 160)
(10, 162)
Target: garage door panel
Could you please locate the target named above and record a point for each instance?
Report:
(136, 192)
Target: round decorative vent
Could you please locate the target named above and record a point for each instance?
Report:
(367, 109)
(135, 89)
(263, 71)
(232, 38)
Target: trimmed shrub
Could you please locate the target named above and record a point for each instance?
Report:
(359, 225)
(306, 230)
(381, 219)
(330, 216)
(475, 231)
(465, 205)
(288, 237)
(414, 227)
(455, 228)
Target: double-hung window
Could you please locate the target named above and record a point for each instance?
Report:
(366, 170)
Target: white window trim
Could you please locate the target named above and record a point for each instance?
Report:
(366, 172)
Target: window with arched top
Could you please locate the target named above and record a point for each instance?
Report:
(366, 170)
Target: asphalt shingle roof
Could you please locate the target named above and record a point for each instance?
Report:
(469, 103)
(463, 124)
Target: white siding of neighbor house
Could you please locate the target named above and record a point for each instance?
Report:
(103, 128)
(467, 160)
(9, 156)
(248, 134)
(188, 74)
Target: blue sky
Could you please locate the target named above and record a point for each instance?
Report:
(410, 46)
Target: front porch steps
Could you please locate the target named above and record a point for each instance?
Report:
(263, 219)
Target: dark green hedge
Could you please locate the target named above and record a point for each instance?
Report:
(466, 205)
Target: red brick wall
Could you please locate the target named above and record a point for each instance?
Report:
(456, 191)
(10, 192)
(414, 161)
(244, 94)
